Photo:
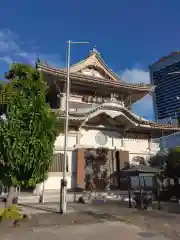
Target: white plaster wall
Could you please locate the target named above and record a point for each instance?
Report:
(114, 139)
(59, 143)
(143, 145)
(134, 145)
(54, 181)
(139, 148)
(130, 145)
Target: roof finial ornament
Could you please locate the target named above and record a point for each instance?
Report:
(94, 51)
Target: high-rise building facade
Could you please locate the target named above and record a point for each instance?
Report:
(165, 75)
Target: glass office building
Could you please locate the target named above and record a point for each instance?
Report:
(165, 75)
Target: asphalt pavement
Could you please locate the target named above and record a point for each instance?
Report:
(96, 221)
(105, 231)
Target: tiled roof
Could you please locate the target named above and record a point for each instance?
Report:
(94, 59)
(139, 121)
(75, 76)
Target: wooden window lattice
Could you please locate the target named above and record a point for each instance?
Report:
(57, 164)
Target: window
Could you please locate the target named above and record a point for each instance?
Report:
(57, 164)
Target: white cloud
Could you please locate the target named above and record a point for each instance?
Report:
(144, 107)
(6, 59)
(12, 49)
(8, 41)
(135, 75)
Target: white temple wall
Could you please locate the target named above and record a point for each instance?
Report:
(86, 139)
(140, 148)
(113, 139)
(72, 141)
(136, 145)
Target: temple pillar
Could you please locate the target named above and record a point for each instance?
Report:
(80, 168)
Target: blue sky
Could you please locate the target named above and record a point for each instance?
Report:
(129, 34)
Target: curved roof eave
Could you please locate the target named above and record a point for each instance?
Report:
(132, 118)
(139, 87)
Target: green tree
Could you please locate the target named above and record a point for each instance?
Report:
(173, 163)
(28, 134)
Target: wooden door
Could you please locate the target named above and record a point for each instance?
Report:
(80, 168)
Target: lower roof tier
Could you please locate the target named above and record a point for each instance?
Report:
(113, 115)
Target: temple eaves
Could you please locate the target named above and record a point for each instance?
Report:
(92, 70)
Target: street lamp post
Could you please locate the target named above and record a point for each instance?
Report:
(63, 190)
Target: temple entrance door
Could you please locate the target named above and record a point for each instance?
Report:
(97, 169)
(97, 165)
(93, 169)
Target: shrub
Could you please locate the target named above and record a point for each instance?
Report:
(10, 214)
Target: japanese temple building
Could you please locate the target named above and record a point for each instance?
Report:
(100, 120)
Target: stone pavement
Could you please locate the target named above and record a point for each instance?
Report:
(151, 222)
(105, 231)
(156, 221)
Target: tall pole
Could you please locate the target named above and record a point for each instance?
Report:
(63, 189)
(63, 202)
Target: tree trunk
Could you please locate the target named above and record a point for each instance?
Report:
(10, 197)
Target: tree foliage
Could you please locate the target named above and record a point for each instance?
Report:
(28, 134)
(173, 163)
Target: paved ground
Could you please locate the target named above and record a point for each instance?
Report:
(105, 231)
(94, 221)
(151, 220)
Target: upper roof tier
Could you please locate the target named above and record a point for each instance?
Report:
(93, 70)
